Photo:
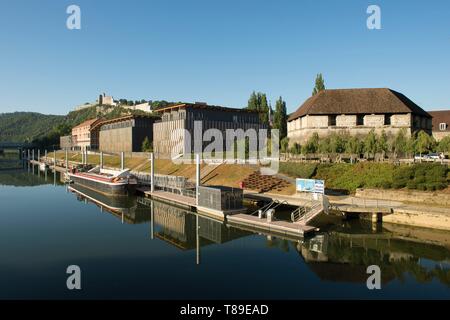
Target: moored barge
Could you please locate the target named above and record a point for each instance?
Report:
(110, 182)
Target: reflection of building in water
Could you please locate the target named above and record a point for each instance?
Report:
(178, 227)
(125, 208)
(339, 256)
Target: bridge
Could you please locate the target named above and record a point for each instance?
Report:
(15, 145)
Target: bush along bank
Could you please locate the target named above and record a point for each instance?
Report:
(348, 177)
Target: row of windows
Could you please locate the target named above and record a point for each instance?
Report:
(359, 120)
(118, 125)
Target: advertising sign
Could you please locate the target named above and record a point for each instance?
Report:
(310, 185)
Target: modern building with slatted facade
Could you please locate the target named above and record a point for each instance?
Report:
(183, 116)
(124, 134)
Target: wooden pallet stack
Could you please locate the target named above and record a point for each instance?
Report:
(264, 183)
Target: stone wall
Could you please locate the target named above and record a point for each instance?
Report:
(344, 120)
(401, 120)
(374, 120)
(437, 198)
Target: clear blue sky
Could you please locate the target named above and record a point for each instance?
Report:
(219, 51)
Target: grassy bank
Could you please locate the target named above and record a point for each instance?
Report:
(349, 177)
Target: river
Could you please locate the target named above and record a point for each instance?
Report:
(127, 251)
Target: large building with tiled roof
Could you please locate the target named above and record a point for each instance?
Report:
(356, 111)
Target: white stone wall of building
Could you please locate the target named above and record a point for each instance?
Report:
(344, 120)
(374, 120)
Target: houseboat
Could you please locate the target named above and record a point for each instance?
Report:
(110, 182)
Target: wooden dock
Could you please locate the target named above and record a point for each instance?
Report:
(279, 227)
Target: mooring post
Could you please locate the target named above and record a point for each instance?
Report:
(39, 155)
(82, 155)
(86, 156)
(45, 154)
(54, 160)
(67, 161)
(32, 155)
(197, 239)
(152, 227)
(122, 160)
(28, 154)
(152, 172)
(197, 176)
(101, 159)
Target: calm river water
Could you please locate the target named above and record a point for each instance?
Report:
(124, 251)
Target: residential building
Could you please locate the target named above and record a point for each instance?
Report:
(356, 111)
(183, 116)
(65, 142)
(81, 135)
(125, 133)
(441, 124)
(146, 107)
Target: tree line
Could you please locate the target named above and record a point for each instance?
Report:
(400, 144)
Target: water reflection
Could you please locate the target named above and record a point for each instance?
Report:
(343, 255)
(339, 254)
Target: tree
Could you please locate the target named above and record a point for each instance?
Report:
(444, 145)
(258, 102)
(284, 144)
(320, 84)
(146, 145)
(280, 117)
(312, 145)
(370, 143)
(382, 144)
(399, 144)
(424, 142)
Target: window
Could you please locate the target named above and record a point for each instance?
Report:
(442, 126)
(331, 120)
(360, 120)
(387, 119)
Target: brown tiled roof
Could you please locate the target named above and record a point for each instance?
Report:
(442, 116)
(357, 101)
(203, 106)
(86, 123)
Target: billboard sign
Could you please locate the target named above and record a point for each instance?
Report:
(310, 185)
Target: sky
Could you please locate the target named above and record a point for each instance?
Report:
(219, 51)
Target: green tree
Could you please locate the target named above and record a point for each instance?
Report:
(312, 145)
(354, 145)
(424, 142)
(382, 143)
(258, 102)
(370, 143)
(280, 117)
(319, 84)
(444, 145)
(400, 143)
(146, 145)
(284, 144)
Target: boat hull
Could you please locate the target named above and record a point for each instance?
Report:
(113, 189)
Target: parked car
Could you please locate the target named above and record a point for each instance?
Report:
(436, 156)
(421, 157)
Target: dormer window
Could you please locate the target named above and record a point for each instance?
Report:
(442, 126)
